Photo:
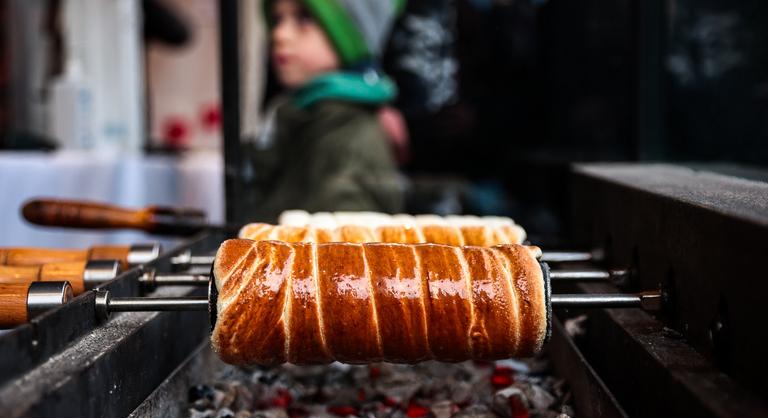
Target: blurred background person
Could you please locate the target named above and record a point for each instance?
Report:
(323, 147)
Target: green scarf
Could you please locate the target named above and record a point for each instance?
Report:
(369, 87)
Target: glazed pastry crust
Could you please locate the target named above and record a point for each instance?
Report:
(477, 235)
(309, 303)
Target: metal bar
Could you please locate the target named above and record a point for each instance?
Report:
(157, 304)
(174, 279)
(229, 42)
(201, 260)
(596, 301)
(580, 275)
(566, 256)
(647, 301)
(151, 278)
(186, 259)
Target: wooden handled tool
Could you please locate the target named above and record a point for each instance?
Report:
(81, 275)
(91, 215)
(127, 255)
(22, 302)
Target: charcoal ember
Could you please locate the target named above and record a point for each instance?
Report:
(228, 395)
(318, 411)
(443, 409)
(265, 376)
(208, 413)
(522, 388)
(513, 365)
(399, 386)
(202, 404)
(270, 413)
(474, 411)
(536, 397)
(200, 391)
(225, 413)
(462, 393)
(510, 403)
(243, 399)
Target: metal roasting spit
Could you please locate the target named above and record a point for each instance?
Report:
(186, 259)
(35, 296)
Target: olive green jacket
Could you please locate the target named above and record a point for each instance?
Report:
(329, 156)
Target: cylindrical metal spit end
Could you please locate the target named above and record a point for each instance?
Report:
(182, 259)
(102, 304)
(44, 296)
(143, 253)
(186, 259)
(98, 272)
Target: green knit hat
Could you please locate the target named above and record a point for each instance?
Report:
(358, 29)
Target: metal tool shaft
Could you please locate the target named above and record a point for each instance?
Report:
(200, 303)
(579, 275)
(648, 301)
(126, 304)
(151, 278)
(566, 256)
(187, 259)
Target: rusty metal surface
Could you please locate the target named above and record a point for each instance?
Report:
(702, 236)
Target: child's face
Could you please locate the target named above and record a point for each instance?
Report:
(300, 49)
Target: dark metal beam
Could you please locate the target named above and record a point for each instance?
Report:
(229, 38)
(702, 236)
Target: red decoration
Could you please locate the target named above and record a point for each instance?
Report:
(210, 117)
(176, 131)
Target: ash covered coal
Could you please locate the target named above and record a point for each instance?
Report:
(507, 388)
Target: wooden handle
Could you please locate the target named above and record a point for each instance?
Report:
(39, 256)
(92, 215)
(19, 274)
(89, 215)
(13, 304)
(72, 272)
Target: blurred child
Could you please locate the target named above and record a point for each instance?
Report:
(323, 148)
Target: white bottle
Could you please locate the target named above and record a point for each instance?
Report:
(71, 109)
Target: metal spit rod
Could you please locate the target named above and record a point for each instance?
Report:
(186, 258)
(106, 304)
(151, 278)
(568, 256)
